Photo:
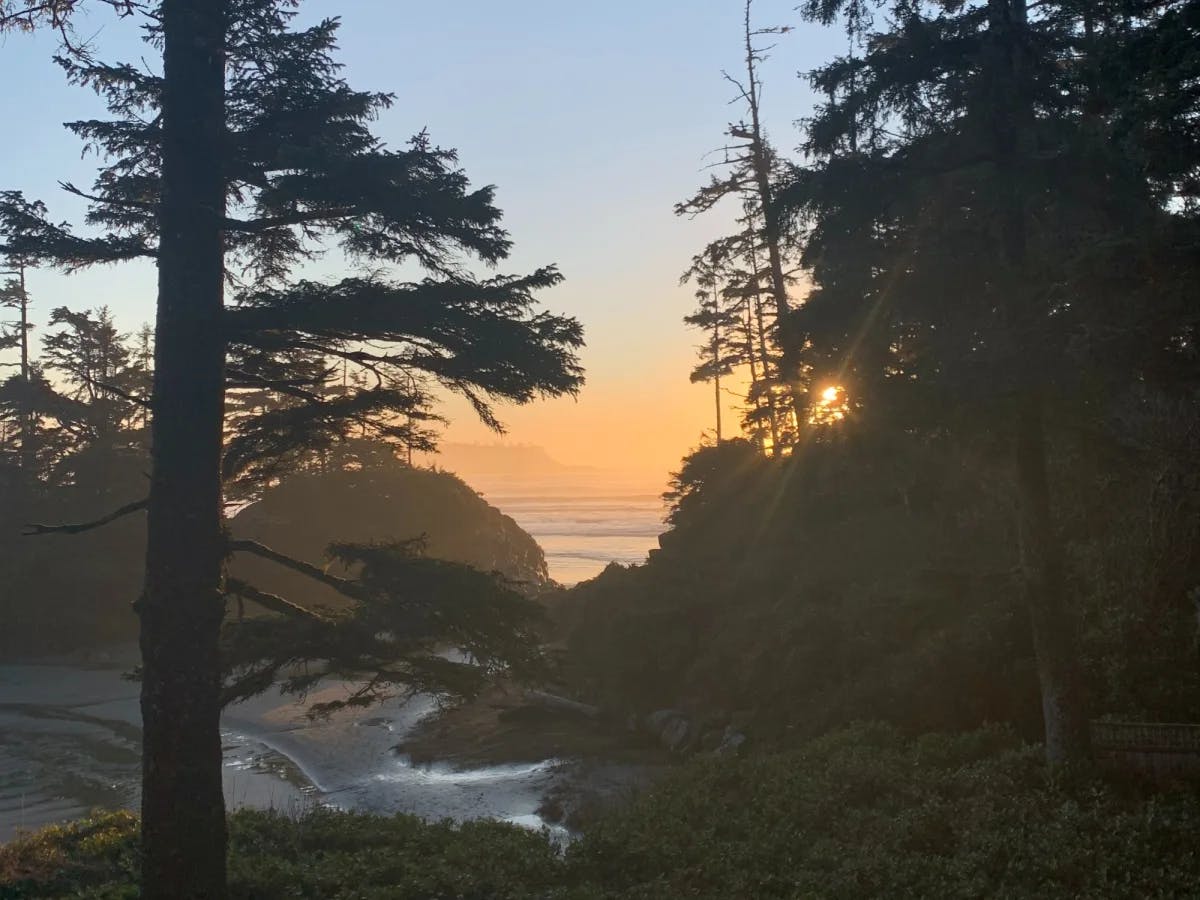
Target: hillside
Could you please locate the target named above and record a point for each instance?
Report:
(306, 513)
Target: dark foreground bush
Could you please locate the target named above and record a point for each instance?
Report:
(861, 813)
(325, 854)
(864, 813)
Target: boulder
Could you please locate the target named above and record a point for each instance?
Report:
(672, 727)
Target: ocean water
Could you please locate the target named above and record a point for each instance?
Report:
(582, 519)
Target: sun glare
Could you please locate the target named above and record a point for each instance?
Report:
(831, 408)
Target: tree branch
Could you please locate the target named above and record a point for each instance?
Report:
(272, 602)
(33, 530)
(257, 226)
(341, 585)
(291, 389)
(108, 201)
(113, 389)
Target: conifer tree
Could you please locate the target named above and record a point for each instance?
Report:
(752, 170)
(238, 162)
(977, 201)
(719, 354)
(14, 335)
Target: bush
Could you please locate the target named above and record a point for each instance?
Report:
(866, 813)
(324, 855)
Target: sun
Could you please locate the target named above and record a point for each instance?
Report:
(831, 408)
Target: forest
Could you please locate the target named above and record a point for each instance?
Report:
(924, 616)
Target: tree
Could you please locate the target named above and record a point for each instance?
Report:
(731, 290)
(234, 164)
(718, 355)
(15, 335)
(753, 168)
(966, 262)
(27, 15)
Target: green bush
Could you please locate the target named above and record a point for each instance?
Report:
(324, 855)
(866, 813)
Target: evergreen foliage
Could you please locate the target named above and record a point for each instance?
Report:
(304, 169)
(744, 278)
(875, 577)
(245, 158)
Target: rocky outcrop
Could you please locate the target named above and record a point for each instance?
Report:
(680, 733)
(306, 513)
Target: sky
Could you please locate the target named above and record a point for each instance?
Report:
(592, 120)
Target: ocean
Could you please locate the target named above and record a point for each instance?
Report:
(583, 519)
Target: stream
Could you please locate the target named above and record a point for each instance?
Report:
(70, 737)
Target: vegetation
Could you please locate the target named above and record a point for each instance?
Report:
(992, 219)
(244, 158)
(966, 490)
(84, 453)
(381, 500)
(743, 279)
(858, 813)
(869, 580)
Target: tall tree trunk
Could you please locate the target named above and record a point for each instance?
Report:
(24, 323)
(752, 359)
(764, 354)
(1068, 739)
(1042, 565)
(716, 352)
(183, 813)
(28, 460)
(760, 162)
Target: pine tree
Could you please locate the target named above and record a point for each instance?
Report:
(237, 162)
(973, 213)
(744, 319)
(719, 355)
(752, 170)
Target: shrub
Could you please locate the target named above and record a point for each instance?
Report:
(865, 813)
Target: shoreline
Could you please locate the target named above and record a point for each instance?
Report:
(482, 760)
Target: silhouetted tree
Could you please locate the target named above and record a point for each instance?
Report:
(979, 224)
(731, 292)
(718, 355)
(752, 170)
(235, 163)
(14, 335)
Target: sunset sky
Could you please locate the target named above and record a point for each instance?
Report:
(592, 120)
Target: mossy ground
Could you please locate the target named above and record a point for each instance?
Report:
(860, 813)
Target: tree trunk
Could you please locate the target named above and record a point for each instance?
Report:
(760, 161)
(716, 352)
(764, 353)
(24, 324)
(28, 418)
(1042, 565)
(183, 813)
(748, 328)
(1068, 738)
